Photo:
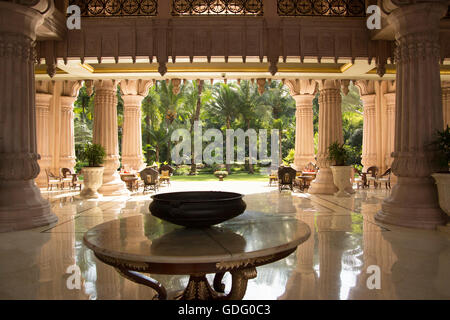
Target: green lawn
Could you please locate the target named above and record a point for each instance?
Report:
(241, 176)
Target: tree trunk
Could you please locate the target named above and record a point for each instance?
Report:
(169, 143)
(196, 118)
(228, 165)
(250, 165)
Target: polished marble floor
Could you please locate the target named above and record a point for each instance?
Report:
(335, 263)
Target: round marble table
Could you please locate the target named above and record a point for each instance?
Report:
(147, 244)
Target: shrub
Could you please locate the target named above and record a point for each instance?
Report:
(442, 143)
(290, 157)
(338, 153)
(93, 154)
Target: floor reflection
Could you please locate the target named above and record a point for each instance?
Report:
(332, 264)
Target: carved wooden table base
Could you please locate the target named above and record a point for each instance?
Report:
(198, 287)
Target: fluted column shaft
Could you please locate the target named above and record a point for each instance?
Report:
(67, 140)
(21, 203)
(106, 134)
(42, 136)
(445, 89)
(369, 146)
(304, 131)
(132, 156)
(390, 107)
(330, 130)
(413, 201)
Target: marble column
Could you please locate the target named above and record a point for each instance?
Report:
(445, 91)
(390, 133)
(413, 201)
(106, 134)
(304, 131)
(134, 92)
(21, 203)
(67, 138)
(42, 136)
(369, 147)
(330, 130)
(303, 93)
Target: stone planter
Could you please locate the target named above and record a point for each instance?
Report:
(341, 179)
(221, 175)
(443, 186)
(93, 179)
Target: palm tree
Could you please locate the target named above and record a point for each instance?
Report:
(157, 137)
(170, 102)
(225, 106)
(250, 102)
(152, 121)
(195, 97)
(278, 98)
(84, 106)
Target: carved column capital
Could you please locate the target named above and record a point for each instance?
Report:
(301, 86)
(67, 103)
(43, 100)
(303, 100)
(365, 87)
(135, 87)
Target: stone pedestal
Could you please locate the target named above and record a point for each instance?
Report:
(132, 156)
(106, 134)
(304, 131)
(21, 203)
(67, 137)
(330, 130)
(413, 201)
(42, 136)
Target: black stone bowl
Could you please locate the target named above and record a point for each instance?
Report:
(197, 209)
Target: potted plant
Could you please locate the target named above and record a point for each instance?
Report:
(339, 154)
(94, 154)
(442, 177)
(221, 174)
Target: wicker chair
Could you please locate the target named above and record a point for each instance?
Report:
(273, 177)
(52, 180)
(67, 177)
(166, 171)
(286, 177)
(386, 178)
(150, 177)
(371, 175)
(362, 180)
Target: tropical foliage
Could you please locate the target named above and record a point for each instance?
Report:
(222, 106)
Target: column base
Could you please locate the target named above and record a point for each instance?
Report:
(113, 185)
(323, 184)
(22, 206)
(300, 162)
(41, 180)
(413, 203)
(132, 163)
(445, 229)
